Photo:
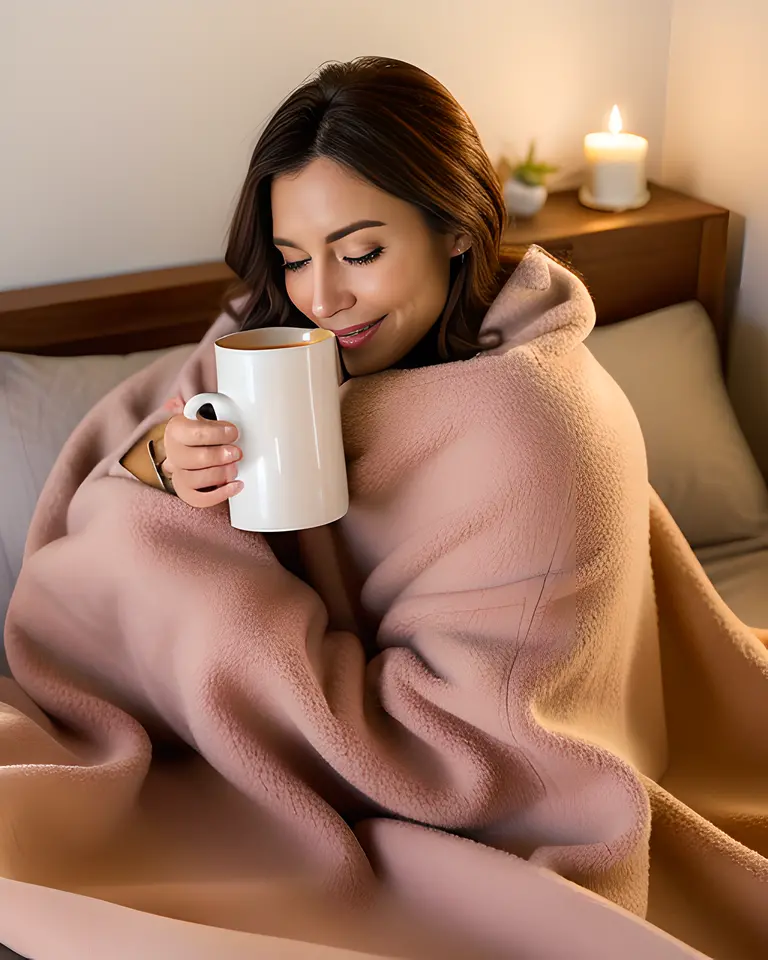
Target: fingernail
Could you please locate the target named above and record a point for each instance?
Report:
(231, 431)
(231, 453)
(237, 486)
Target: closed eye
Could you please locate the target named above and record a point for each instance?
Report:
(367, 258)
(295, 265)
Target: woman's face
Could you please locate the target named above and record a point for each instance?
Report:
(360, 262)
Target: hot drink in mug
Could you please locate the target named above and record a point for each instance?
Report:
(280, 387)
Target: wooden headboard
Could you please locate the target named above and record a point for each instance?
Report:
(119, 314)
(670, 251)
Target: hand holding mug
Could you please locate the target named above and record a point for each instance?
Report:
(279, 399)
(201, 459)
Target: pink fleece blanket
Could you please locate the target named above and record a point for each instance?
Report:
(497, 710)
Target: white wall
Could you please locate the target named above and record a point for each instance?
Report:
(126, 125)
(716, 146)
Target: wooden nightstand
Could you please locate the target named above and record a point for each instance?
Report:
(671, 250)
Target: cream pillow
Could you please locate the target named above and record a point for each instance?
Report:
(667, 364)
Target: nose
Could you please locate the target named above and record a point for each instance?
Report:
(330, 294)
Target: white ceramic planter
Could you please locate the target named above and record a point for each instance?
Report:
(523, 200)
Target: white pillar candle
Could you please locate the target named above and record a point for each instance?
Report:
(615, 169)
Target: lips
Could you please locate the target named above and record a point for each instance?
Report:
(353, 337)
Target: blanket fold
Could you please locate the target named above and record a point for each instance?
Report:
(499, 689)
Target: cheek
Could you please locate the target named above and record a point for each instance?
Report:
(423, 285)
(407, 284)
(299, 291)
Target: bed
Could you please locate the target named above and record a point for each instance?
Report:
(62, 347)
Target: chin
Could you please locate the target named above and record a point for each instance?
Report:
(359, 366)
(382, 353)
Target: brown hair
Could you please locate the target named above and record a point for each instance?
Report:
(401, 130)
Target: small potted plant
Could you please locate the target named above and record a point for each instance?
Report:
(525, 190)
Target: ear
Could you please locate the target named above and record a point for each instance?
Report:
(461, 243)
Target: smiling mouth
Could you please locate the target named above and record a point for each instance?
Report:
(357, 336)
(353, 333)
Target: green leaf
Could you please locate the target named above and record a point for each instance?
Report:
(531, 171)
(526, 175)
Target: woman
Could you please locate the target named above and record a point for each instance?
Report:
(499, 691)
(370, 209)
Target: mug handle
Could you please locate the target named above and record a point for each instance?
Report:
(224, 407)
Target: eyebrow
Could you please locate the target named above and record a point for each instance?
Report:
(336, 235)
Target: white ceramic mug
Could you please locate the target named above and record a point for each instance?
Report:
(280, 387)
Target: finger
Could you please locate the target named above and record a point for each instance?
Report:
(196, 498)
(200, 458)
(210, 477)
(199, 433)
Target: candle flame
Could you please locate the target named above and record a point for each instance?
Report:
(615, 124)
